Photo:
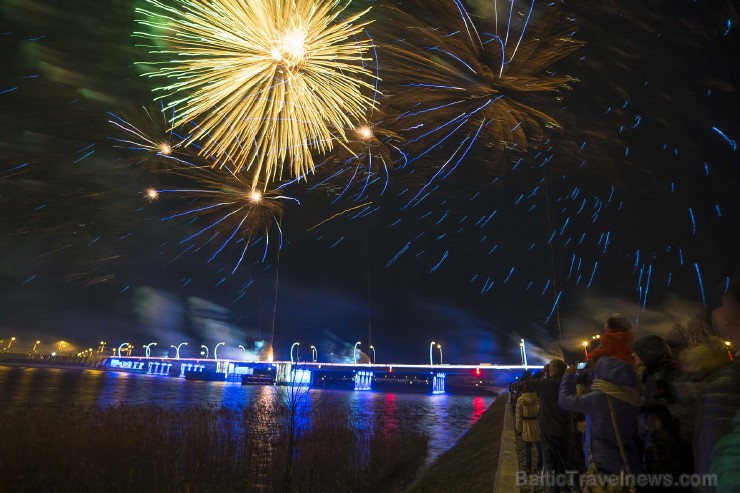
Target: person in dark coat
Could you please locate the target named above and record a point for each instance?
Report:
(617, 380)
(664, 450)
(660, 369)
(560, 449)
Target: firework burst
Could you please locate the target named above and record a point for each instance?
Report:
(370, 154)
(454, 86)
(230, 210)
(150, 140)
(265, 82)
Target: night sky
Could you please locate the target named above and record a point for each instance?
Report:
(641, 184)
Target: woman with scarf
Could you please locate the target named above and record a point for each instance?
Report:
(615, 389)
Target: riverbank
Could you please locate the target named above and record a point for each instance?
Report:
(470, 466)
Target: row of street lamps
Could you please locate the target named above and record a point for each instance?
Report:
(315, 354)
(62, 344)
(148, 349)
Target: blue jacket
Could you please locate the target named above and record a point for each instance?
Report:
(600, 438)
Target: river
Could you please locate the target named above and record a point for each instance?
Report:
(443, 417)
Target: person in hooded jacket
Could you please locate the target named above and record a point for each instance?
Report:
(616, 380)
(660, 369)
(664, 449)
(615, 341)
(527, 413)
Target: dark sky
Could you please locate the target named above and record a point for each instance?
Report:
(83, 256)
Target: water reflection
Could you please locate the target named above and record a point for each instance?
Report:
(443, 417)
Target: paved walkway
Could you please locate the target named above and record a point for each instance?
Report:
(508, 460)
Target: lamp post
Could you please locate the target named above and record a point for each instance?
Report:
(177, 349)
(206, 348)
(314, 353)
(34, 347)
(291, 351)
(148, 348)
(523, 349)
(373, 348)
(439, 346)
(120, 355)
(431, 356)
(585, 348)
(354, 351)
(10, 343)
(242, 348)
(215, 350)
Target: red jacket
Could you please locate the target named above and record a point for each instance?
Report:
(617, 344)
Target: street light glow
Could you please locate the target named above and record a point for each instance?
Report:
(147, 348)
(354, 351)
(291, 351)
(215, 350)
(177, 349)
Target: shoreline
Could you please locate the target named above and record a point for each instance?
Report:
(471, 464)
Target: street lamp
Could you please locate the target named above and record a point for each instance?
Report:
(354, 351)
(177, 349)
(119, 348)
(148, 348)
(523, 349)
(291, 351)
(10, 343)
(585, 348)
(215, 350)
(439, 346)
(34, 347)
(242, 348)
(314, 353)
(206, 348)
(373, 348)
(431, 348)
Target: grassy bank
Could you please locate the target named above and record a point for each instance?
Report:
(265, 448)
(469, 466)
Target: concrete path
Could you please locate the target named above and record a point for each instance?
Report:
(508, 461)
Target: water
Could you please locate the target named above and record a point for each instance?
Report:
(443, 417)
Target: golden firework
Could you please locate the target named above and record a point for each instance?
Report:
(263, 82)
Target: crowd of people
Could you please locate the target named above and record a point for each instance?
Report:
(640, 405)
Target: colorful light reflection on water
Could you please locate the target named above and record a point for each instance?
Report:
(443, 417)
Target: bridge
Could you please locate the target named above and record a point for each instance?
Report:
(361, 376)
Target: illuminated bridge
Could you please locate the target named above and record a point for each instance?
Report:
(388, 376)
